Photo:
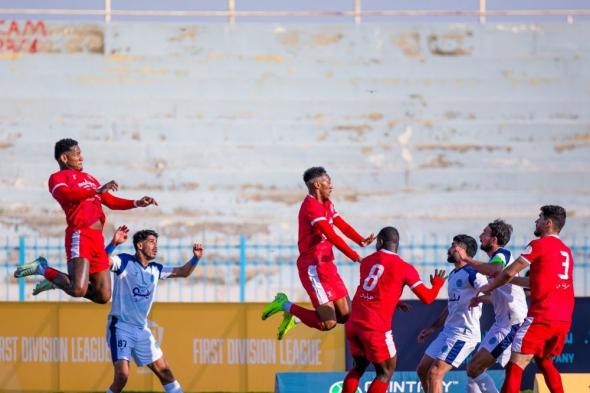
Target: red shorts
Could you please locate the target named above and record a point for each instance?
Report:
(541, 338)
(87, 243)
(322, 283)
(375, 345)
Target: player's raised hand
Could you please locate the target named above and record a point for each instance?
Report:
(121, 235)
(424, 333)
(438, 278)
(198, 250)
(368, 240)
(460, 254)
(146, 201)
(108, 186)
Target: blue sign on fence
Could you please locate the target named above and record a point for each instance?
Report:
(402, 382)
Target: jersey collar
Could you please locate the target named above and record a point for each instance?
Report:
(387, 252)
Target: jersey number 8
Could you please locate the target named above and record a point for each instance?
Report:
(374, 274)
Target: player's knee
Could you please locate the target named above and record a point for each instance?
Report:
(103, 298)
(473, 370)
(78, 291)
(329, 325)
(435, 373)
(342, 318)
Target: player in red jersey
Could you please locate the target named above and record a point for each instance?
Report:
(81, 197)
(317, 270)
(542, 334)
(368, 330)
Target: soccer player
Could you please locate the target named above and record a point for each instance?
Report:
(543, 332)
(136, 280)
(317, 270)
(461, 332)
(509, 302)
(368, 330)
(81, 197)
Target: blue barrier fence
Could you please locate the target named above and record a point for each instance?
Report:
(239, 269)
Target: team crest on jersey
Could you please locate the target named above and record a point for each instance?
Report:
(459, 283)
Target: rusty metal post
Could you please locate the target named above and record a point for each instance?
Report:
(231, 11)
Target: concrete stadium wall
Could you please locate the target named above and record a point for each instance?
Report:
(434, 128)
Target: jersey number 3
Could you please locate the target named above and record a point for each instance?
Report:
(565, 264)
(374, 274)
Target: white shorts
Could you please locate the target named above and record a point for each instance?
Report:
(499, 340)
(127, 340)
(451, 348)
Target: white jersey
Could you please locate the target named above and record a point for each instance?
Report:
(509, 300)
(134, 288)
(462, 286)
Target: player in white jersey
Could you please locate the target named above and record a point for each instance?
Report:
(461, 332)
(509, 302)
(135, 282)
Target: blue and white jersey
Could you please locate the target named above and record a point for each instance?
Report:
(462, 286)
(509, 300)
(134, 288)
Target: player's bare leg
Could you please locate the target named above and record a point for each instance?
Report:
(100, 289)
(327, 314)
(75, 283)
(342, 307)
(121, 375)
(384, 372)
(161, 369)
(514, 369)
(436, 374)
(422, 370)
(351, 381)
(482, 360)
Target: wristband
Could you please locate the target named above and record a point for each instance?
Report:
(194, 261)
(110, 248)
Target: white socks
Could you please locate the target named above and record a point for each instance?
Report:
(173, 387)
(484, 382)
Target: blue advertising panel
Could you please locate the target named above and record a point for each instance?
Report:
(402, 382)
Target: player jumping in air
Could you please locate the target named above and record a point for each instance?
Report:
(509, 302)
(81, 197)
(317, 270)
(136, 280)
(543, 332)
(368, 330)
(461, 332)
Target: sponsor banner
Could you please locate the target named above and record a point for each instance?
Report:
(575, 357)
(402, 382)
(209, 347)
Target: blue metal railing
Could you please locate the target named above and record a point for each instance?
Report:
(240, 269)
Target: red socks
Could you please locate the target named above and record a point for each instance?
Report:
(351, 381)
(50, 273)
(513, 378)
(308, 317)
(378, 386)
(552, 376)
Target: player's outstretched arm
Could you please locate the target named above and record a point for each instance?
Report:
(351, 233)
(437, 324)
(524, 282)
(427, 295)
(486, 268)
(336, 240)
(119, 237)
(505, 276)
(186, 269)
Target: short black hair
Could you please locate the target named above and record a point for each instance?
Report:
(313, 172)
(62, 146)
(469, 243)
(389, 235)
(501, 230)
(556, 214)
(142, 235)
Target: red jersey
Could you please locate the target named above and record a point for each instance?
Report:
(552, 286)
(75, 191)
(383, 276)
(313, 245)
